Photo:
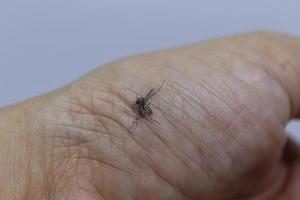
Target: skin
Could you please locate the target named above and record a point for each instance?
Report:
(222, 114)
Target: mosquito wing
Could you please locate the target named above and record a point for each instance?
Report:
(153, 92)
(150, 94)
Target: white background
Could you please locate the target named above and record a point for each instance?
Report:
(46, 44)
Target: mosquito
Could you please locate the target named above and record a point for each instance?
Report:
(142, 105)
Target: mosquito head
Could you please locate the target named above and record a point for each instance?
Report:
(140, 101)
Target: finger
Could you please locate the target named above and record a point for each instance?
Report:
(279, 55)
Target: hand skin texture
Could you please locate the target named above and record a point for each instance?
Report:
(222, 114)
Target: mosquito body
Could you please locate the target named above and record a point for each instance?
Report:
(142, 105)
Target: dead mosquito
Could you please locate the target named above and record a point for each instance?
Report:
(142, 105)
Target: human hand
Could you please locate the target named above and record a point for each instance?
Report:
(221, 112)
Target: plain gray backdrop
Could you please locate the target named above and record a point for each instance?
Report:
(46, 44)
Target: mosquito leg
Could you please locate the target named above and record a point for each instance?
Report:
(135, 121)
(154, 120)
(132, 124)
